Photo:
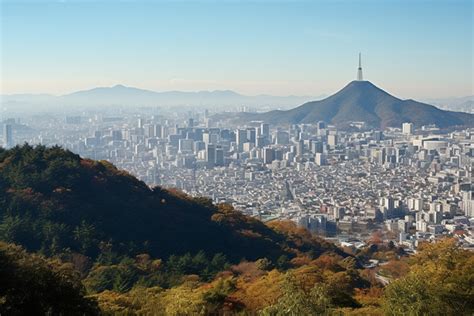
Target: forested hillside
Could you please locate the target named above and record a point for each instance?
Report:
(53, 201)
(99, 241)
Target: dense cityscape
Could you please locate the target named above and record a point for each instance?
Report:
(414, 184)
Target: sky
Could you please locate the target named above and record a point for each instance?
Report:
(412, 49)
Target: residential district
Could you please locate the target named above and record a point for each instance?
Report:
(414, 184)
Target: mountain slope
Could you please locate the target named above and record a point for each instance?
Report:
(53, 201)
(363, 101)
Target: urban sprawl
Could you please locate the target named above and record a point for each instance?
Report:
(413, 184)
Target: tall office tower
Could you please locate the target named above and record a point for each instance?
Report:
(359, 70)
(164, 132)
(158, 130)
(278, 154)
(265, 129)
(316, 147)
(467, 196)
(260, 141)
(141, 122)
(320, 159)
(149, 130)
(407, 128)
(251, 135)
(7, 136)
(219, 156)
(300, 148)
(206, 138)
(211, 155)
(268, 155)
(282, 138)
(240, 138)
(258, 131)
(332, 140)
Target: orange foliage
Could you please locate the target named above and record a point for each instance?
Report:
(248, 271)
(300, 261)
(396, 268)
(328, 262)
(259, 293)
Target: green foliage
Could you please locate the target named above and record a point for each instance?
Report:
(124, 275)
(32, 285)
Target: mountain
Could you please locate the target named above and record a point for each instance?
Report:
(53, 201)
(363, 101)
(129, 96)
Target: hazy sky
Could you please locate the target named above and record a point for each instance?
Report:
(413, 49)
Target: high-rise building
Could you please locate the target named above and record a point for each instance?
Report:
(282, 138)
(467, 194)
(268, 155)
(407, 128)
(265, 129)
(158, 131)
(7, 136)
(332, 140)
(240, 138)
(300, 148)
(219, 156)
(316, 147)
(320, 159)
(251, 135)
(211, 155)
(260, 141)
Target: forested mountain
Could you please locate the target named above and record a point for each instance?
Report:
(52, 201)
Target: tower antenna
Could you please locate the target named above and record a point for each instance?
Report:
(359, 70)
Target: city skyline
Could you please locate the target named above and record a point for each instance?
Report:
(203, 45)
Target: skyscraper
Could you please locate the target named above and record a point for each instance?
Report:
(241, 138)
(211, 155)
(7, 136)
(265, 129)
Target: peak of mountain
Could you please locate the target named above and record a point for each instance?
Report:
(362, 101)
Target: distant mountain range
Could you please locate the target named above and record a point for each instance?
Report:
(362, 101)
(129, 96)
(464, 104)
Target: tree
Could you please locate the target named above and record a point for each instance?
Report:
(298, 301)
(440, 282)
(32, 285)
